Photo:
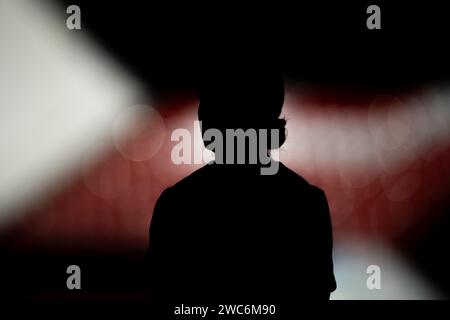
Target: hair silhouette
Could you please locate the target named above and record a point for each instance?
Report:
(227, 233)
(250, 99)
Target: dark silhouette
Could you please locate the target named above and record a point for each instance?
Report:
(226, 232)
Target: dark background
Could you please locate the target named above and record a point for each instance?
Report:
(169, 45)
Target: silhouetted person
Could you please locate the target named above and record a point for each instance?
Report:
(228, 233)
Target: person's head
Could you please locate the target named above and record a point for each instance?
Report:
(244, 99)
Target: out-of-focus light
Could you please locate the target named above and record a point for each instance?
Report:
(110, 178)
(59, 95)
(398, 279)
(144, 126)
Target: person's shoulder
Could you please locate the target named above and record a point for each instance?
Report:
(190, 183)
(294, 179)
(173, 197)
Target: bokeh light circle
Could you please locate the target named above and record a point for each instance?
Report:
(138, 132)
(390, 122)
(106, 177)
